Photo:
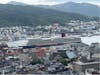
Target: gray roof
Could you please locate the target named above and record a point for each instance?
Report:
(52, 41)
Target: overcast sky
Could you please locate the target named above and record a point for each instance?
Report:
(50, 2)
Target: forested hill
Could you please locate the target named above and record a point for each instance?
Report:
(29, 15)
(81, 8)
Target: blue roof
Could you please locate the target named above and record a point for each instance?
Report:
(71, 54)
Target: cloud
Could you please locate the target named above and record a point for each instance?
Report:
(51, 2)
(68, 0)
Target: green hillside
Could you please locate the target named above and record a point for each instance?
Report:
(11, 15)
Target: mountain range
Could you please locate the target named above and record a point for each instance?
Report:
(81, 8)
(17, 3)
(11, 15)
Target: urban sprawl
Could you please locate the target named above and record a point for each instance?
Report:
(51, 49)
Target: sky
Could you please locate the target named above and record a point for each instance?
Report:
(52, 2)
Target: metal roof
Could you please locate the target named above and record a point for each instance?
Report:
(52, 41)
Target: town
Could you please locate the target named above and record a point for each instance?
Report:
(77, 28)
(51, 49)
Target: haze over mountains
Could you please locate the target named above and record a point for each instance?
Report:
(23, 14)
(17, 3)
(81, 8)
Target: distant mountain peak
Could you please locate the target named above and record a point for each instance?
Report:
(78, 3)
(70, 2)
(87, 9)
(17, 3)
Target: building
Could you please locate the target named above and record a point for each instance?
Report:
(80, 66)
(92, 72)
